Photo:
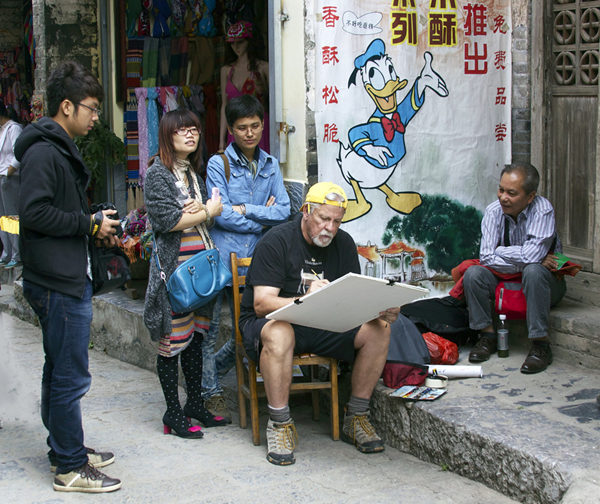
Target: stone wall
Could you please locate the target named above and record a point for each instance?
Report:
(11, 24)
(64, 29)
(521, 81)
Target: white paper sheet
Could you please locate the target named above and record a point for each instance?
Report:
(348, 302)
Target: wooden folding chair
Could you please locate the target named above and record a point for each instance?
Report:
(248, 388)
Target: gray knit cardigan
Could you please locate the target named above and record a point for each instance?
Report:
(164, 212)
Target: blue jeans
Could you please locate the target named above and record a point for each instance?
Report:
(65, 322)
(216, 365)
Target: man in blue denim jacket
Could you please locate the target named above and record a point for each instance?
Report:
(254, 199)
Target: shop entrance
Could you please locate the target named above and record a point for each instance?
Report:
(16, 58)
(196, 54)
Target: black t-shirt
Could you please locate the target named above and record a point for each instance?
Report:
(284, 259)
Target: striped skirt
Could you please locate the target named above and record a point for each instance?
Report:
(184, 324)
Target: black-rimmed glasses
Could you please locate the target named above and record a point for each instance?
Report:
(93, 110)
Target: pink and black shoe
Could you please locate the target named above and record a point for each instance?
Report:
(181, 427)
(204, 416)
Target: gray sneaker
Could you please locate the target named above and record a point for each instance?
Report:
(95, 459)
(357, 430)
(86, 479)
(216, 405)
(281, 442)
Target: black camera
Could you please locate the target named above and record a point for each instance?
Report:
(98, 207)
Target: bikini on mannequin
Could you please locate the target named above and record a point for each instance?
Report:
(245, 75)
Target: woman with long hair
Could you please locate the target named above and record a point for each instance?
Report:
(180, 213)
(244, 73)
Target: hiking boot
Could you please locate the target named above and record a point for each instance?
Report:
(95, 459)
(357, 430)
(486, 346)
(86, 479)
(281, 441)
(216, 405)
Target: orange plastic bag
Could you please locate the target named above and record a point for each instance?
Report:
(442, 351)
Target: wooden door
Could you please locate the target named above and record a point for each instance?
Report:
(569, 66)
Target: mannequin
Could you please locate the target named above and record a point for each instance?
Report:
(245, 74)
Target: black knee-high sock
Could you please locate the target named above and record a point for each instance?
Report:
(191, 364)
(168, 374)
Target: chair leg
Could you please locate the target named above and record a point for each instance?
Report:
(335, 418)
(239, 368)
(253, 403)
(315, 395)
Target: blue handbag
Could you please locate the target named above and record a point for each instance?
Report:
(195, 282)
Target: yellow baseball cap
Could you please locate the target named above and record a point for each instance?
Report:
(323, 193)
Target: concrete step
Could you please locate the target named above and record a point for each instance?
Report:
(584, 288)
(574, 331)
(8, 276)
(533, 438)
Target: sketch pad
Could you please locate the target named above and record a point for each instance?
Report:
(347, 302)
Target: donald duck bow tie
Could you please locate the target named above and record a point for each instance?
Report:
(390, 126)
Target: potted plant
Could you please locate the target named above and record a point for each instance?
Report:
(99, 148)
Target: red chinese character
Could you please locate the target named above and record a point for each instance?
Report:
(404, 28)
(330, 94)
(329, 15)
(500, 132)
(330, 133)
(433, 4)
(500, 97)
(499, 24)
(330, 55)
(476, 19)
(478, 60)
(442, 29)
(403, 4)
(500, 60)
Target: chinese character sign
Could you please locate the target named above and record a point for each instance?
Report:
(412, 110)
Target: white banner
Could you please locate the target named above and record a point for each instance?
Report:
(412, 111)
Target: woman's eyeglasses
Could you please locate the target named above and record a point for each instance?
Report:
(184, 131)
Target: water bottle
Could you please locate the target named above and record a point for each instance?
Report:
(502, 338)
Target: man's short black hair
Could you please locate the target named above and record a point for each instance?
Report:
(243, 106)
(531, 177)
(71, 81)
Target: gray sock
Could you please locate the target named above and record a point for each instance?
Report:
(357, 405)
(279, 415)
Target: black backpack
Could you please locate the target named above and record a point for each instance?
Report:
(446, 316)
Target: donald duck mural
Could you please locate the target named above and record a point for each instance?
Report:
(377, 146)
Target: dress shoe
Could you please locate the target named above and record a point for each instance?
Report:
(486, 346)
(539, 358)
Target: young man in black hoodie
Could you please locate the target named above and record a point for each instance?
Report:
(56, 228)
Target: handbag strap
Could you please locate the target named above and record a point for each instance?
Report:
(163, 276)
